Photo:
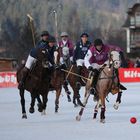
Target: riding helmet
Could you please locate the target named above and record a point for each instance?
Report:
(51, 39)
(84, 34)
(98, 42)
(64, 34)
(45, 33)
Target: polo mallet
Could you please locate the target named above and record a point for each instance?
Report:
(31, 26)
(69, 72)
(76, 74)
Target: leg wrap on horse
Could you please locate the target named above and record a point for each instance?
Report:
(102, 113)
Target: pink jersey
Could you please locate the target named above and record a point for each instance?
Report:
(101, 57)
(69, 45)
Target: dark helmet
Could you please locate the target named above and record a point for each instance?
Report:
(51, 39)
(84, 34)
(98, 42)
(45, 33)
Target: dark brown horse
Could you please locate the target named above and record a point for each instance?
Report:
(72, 78)
(107, 82)
(37, 81)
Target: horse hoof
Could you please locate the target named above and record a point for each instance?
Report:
(31, 110)
(78, 118)
(81, 105)
(116, 106)
(75, 105)
(69, 99)
(24, 116)
(56, 110)
(43, 112)
(40, 109)
(102, 120)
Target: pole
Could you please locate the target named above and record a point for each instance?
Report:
(69, 72)
(56, 25)
(76, 74)
(31, 26)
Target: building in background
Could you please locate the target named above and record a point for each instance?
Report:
(132, 27)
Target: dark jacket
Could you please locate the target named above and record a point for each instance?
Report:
(44, 45)
(81, 50)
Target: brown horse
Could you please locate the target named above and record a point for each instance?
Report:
(37, 81)
(72, 78)
(107, 82)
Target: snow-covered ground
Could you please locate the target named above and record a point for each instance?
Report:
(63, 126)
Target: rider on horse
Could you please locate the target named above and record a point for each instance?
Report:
(46, 43)
(65, 42)
(80, 52)
(98, 57)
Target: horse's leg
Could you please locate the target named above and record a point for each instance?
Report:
(33, 96)
(102, 115)
(96, 109)
(77, 97)
(78, 117)
(65, 86)
(45, 99)
(118, 101)
(40, 108)
(22, 101)
(58, 92)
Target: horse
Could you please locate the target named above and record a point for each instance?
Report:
(56, 82)
(37, 82)
(107, 82)
(71, 75)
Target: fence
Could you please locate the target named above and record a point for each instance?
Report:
(8, 79)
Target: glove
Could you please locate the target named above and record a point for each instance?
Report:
(90, 68)
(56, 66)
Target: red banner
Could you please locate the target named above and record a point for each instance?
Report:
(8, 79)
(129, 74)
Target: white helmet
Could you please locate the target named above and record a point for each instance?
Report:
(64, 34)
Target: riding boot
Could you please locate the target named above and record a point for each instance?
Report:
(119, 84)
(21, 84)
(94, 82)
(78, 83)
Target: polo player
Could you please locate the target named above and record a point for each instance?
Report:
(66, 42)
(47, 43)
(80, 52)
(97, 57)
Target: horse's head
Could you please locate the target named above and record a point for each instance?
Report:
(43, 58)
(65, 53)
(115, 59)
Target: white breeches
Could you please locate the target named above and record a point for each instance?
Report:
(62, 60)
(97, 66)
(80, 62)
(30, 61)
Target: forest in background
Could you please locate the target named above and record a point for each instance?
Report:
(99, 18)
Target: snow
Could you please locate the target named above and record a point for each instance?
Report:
(63, 126)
